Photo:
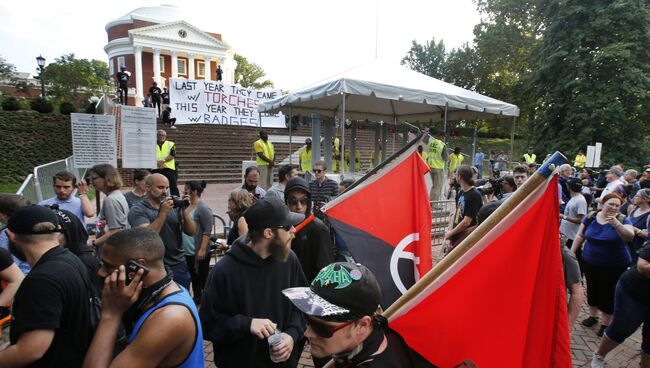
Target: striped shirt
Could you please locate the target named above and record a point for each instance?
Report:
(323, 193)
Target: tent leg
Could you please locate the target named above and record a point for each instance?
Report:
(342, 167)
(291, 136)
(512, 139)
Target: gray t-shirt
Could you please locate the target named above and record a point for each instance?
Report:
(577, 205)
(114, 211)
(132, 199)
(571, 267)
(202, 216)
(143, 214)
(276, 191)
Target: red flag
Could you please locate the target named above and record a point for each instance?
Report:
(502, 304)
(385, 221)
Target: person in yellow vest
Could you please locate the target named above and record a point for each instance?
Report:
(166, 161)
(357, 160)
(436, 157)
(530, 157)
(336, 154)
(305, 157)
(580, 160)
(372, 157)
(265, 153)
(422, 153)
(455, 160)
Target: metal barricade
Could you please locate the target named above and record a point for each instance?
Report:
(38, 186)
(442, 213)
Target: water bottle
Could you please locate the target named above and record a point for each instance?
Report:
(274, 340)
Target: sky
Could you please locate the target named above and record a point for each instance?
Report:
(295, 42)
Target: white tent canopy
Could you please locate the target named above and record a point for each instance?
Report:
(382, 91)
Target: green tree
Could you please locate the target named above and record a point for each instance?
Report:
(249, 74)
(67, 74)
(7, 70)
(593, 78)
(428, 58)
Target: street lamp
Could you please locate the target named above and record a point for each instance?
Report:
(41, 65)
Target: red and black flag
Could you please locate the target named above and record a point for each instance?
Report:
(385, 222)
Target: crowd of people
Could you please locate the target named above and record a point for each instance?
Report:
(140, 290)
(604, 223)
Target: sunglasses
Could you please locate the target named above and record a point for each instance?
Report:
(324, 330)
(295, 201)
(318, 171)
(283, 227)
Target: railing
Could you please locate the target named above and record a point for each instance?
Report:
(38, 186)
(442, 213)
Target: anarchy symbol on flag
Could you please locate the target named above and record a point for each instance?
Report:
(398, 254)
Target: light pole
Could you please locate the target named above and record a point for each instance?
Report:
(41, 66)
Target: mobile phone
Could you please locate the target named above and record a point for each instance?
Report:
(132, 268)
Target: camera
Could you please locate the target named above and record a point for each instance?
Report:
(180, 203)
(491, 186)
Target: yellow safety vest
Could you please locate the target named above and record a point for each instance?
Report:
(372, 158)
(164, 151)
(305, 159)
(435, 160)
(357, 163)
(266, 148)
(530, 159)
(336, 152)
(454, 161)
(580, 161)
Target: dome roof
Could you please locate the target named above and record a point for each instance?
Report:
(156, 14)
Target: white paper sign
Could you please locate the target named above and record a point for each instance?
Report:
(138, 137)
(214, 102)
(591, 154)
(93, 140)
(599, 150)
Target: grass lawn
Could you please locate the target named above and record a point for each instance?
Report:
(9, 187)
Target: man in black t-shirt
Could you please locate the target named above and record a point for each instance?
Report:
(467, 207)
(155, 94)
(51, 324)
(122, 77)
(343, 322)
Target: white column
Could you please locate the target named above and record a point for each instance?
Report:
(190, 70)
(208, 72)
(156, 66)
(138, 74)
(174, 64)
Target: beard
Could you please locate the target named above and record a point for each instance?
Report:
(279, 251)
(250, 188)
(17, 252)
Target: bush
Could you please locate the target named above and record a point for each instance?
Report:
(10, 103)
(66, 108)
(41, 105)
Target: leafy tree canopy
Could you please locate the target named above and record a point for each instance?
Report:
(67, 74)
(249, 74)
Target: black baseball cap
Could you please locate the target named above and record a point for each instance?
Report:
(270, 213)
(341, 292)
(575, 184)
(22, 221)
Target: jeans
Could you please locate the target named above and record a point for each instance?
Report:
(629, 314)
(181, 275)
(479, 168)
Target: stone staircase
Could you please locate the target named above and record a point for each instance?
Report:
(214, 153)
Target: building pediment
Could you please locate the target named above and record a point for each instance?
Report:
(177, 32)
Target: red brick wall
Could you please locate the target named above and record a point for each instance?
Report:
(119, 31)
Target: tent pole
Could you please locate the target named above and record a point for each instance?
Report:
(291, 135)
(444, 129)
(342, 134)
(512, 139)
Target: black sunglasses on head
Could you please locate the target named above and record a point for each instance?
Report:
(323, 330)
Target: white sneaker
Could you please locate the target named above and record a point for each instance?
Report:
(173, 127)
(597, 362)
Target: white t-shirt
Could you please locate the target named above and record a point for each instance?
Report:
(576, 206)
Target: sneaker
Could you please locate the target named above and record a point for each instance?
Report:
(597, 362)
(172, 127)
(589, 322)
(601, 330)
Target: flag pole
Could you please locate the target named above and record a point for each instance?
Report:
(537, 179)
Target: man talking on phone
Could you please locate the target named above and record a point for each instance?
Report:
(160, 318)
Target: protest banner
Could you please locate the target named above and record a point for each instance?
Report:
(93, 140)
(215, 102)
(138, 137)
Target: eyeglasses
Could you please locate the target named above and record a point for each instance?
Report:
(323, 330)
(296, 201)
(93, 178)
(318, 171)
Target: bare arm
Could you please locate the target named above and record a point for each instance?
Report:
(86, 205)
(102, 239)
(189, 227)
(643, 267)
(13, 277)
(462, 225)
(30, 347)
(576, 298)
(242, 226)
(157, 224)
(580, 238)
